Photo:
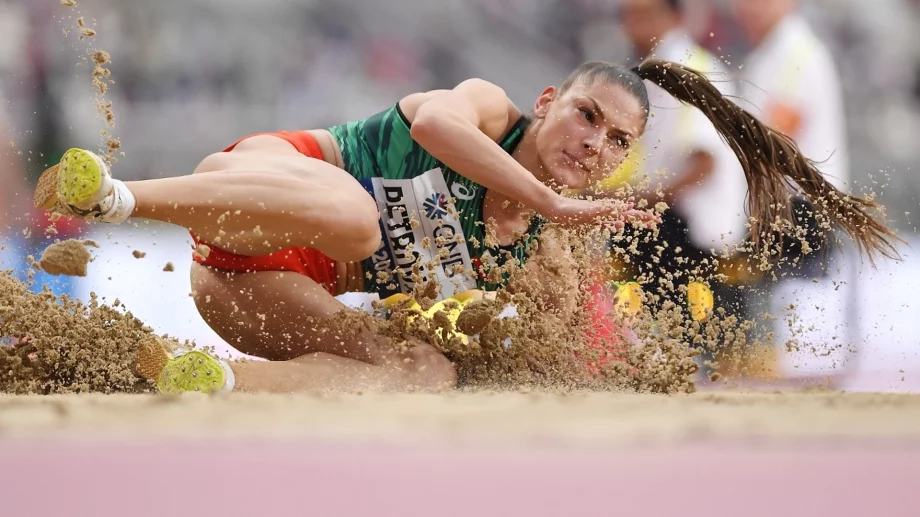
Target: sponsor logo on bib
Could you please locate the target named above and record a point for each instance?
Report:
(419, 228)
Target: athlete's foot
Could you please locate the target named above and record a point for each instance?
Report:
(82, 186)
(182, 371)
(428, 369)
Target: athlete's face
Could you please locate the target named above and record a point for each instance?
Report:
(586, 132)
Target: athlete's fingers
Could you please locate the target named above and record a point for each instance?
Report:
(613, 224)
(641, 217)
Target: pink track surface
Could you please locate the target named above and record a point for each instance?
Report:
(257, 478)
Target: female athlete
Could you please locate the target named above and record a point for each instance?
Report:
(292, 219)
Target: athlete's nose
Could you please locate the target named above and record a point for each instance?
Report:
(591, 145)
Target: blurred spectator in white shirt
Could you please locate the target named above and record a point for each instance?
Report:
(790, 82)
(699, 175)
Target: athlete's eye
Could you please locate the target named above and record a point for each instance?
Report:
(619, 141)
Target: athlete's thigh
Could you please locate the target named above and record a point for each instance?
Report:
(276, 315)
(267, 153)
(263, 157)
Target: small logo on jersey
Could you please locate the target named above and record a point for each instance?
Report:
(435, 206)
(482, 264)
(478, 270)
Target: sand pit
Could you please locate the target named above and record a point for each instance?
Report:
(581, 418)
(462, 454)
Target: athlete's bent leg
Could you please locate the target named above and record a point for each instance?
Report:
(259, 198)
(424, 369)
(421, 368)
(279, 316)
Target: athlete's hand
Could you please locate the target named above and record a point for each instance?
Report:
(604, 212)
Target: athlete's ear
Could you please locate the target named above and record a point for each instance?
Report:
(541, 107)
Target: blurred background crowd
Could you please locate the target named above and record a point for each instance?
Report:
(192, 76)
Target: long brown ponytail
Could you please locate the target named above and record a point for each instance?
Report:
(772, 162)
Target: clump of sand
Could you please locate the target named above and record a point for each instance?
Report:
(202, 252)
(70, 258)
(58, 345)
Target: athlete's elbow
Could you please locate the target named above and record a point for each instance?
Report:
(443, 114)
(430, 122)
(422, 126)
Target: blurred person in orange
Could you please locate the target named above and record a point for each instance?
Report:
(789, 81)
(287, 221)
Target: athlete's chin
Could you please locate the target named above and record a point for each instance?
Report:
(565, 178)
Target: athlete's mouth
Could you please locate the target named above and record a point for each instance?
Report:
(576, 162)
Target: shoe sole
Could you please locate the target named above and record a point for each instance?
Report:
(152, 358)
(191, 371)
(79, 179)
(45, 196)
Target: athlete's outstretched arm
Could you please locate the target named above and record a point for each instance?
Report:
(460, 127)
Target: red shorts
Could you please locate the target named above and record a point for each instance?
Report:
(306, 261)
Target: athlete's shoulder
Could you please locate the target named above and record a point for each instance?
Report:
(481, 101)
(474, 88)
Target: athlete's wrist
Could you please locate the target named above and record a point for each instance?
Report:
(543, 199)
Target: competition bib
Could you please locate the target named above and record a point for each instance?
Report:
(421, 236)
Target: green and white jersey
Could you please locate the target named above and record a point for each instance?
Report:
(430, 216)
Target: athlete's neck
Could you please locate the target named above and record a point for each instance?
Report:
(509, 216)
(526, 154)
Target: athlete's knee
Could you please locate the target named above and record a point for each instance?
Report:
(366, 227)
(431, 370)
(355, 219)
